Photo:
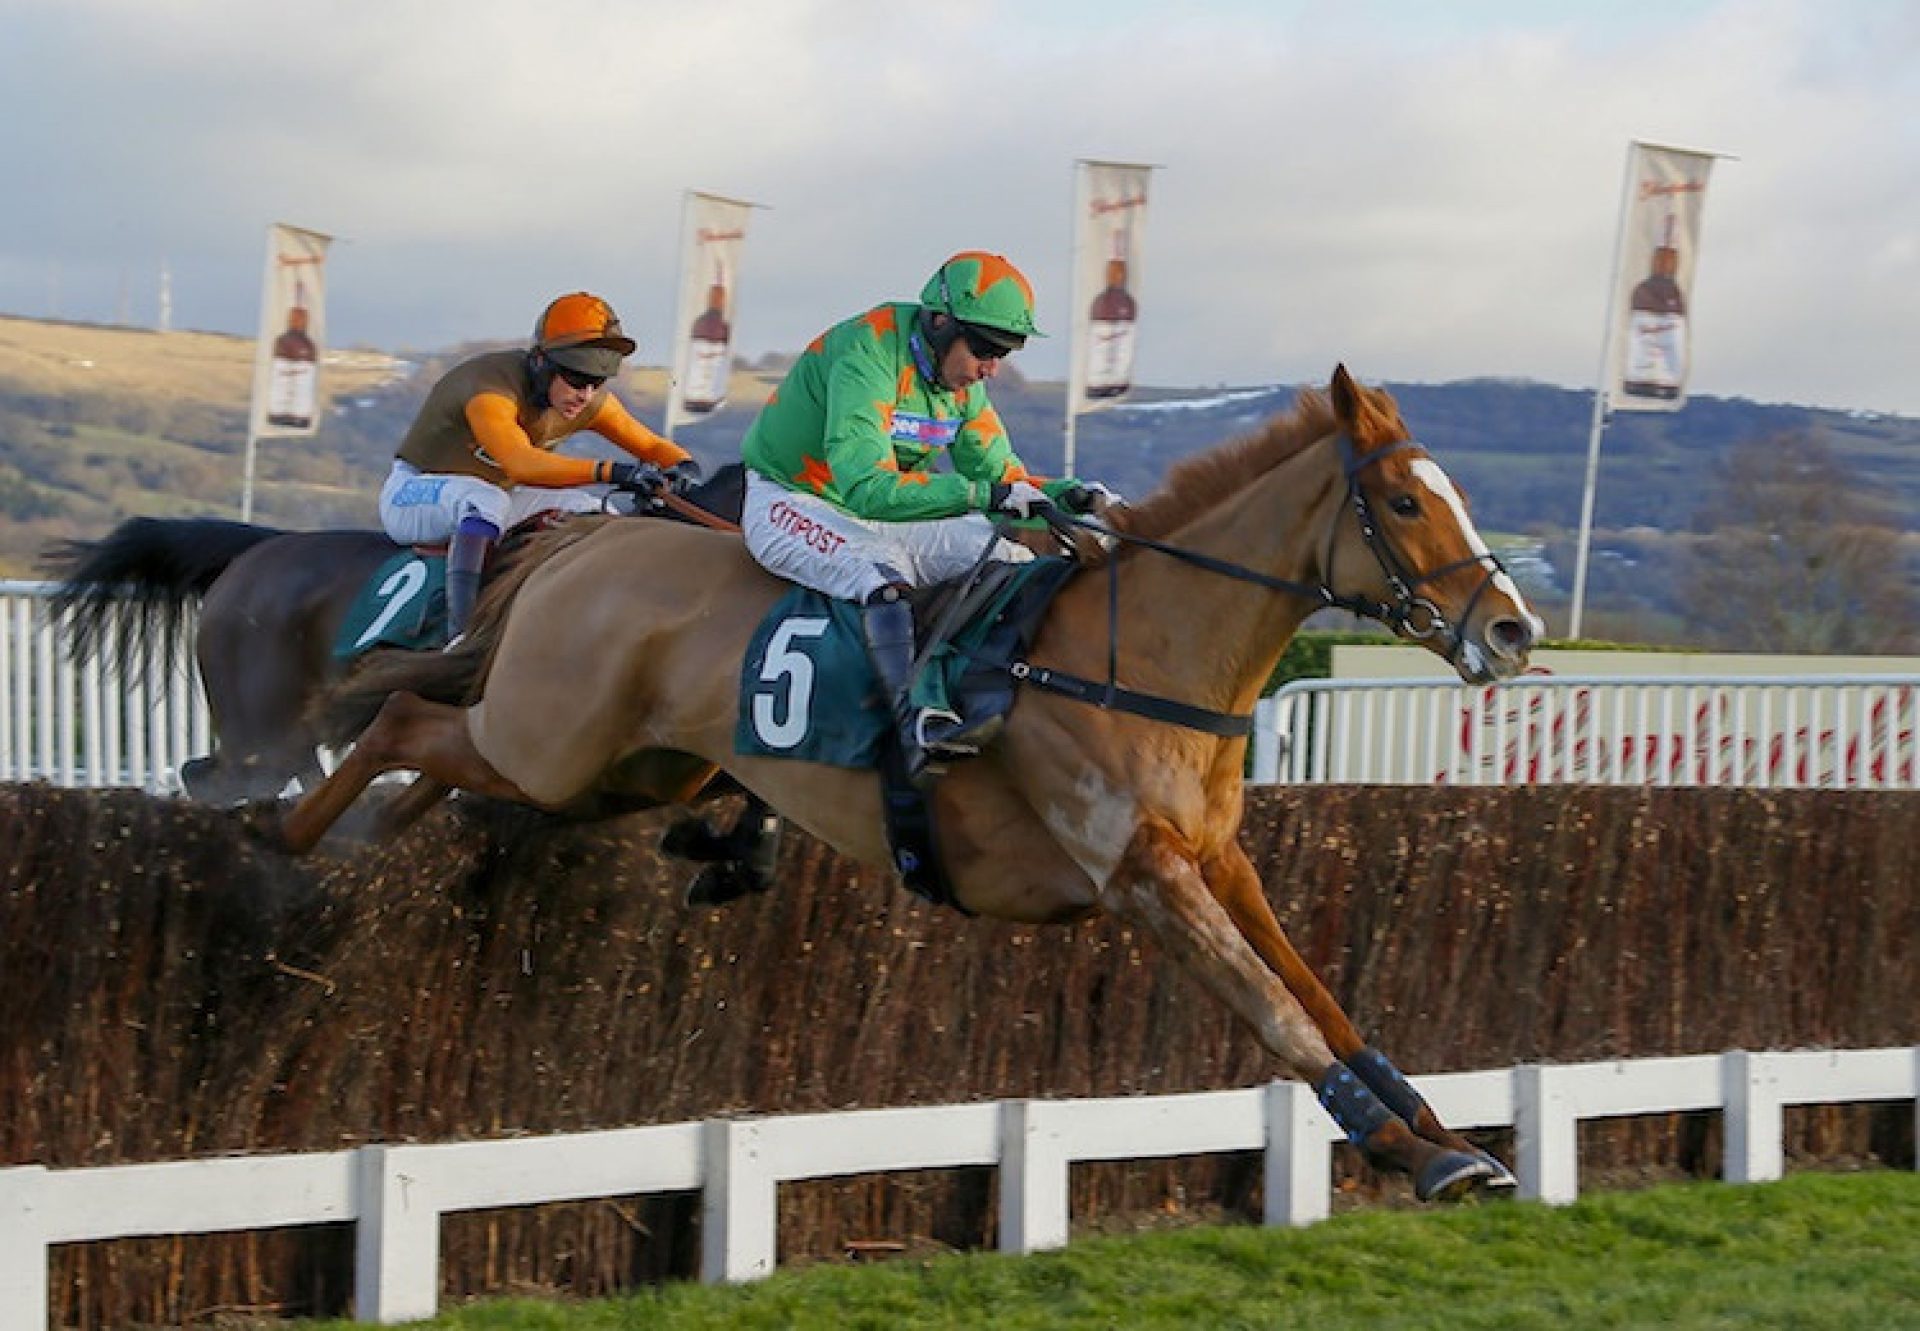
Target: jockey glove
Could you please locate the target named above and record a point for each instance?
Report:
(1020, 499)
(641, 478)
(682, 476)
(1088, 497)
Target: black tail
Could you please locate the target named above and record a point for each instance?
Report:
(154, 566)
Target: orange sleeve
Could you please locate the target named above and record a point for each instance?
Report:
(496, 428)
(613, 422)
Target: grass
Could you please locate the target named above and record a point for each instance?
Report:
(1813, 1251)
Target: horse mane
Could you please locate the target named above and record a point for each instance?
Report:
(1205, 480)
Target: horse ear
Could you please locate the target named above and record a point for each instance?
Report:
(1346, 398)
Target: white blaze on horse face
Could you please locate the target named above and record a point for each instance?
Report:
(1429, 473)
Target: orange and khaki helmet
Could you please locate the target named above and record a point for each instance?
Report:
(581, 332)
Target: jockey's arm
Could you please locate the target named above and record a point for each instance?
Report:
(496, 428)
(859, 451)
(983, 451)
(617, 425)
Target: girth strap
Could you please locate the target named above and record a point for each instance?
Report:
(1108, 694)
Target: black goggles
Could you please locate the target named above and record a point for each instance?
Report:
(987, 345)
(576, 379)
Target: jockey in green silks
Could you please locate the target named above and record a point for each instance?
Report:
(842, 491)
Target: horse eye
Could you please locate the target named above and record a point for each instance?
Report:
(1405, 506)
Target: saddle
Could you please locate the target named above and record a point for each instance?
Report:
(808, 691)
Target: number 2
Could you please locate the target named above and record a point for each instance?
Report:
(401, 586)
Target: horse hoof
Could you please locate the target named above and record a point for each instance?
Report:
(1502, 1179)
(263, 821)
(719, 884)
(1451, 1176)
(692, 839)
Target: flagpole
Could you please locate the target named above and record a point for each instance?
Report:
(246, 483)
(1075, 370)
(674, 418)
(1600, 399)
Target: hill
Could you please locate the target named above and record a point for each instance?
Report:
(99, 423)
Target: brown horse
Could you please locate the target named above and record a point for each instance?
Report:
(599, 671)
(270, 605)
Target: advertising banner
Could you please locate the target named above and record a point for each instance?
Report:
(1110, 218)
(713, 231)
(1659, 248)
(293, 330)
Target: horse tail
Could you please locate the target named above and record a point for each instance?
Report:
(128, 592)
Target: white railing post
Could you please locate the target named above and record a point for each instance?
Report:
(1266, 741)
(739, 1204)
(23, 1249)
(1754, 1151)
(1299, 1157)
(396, 1268)
(1546, 1135)
(1034, 1177)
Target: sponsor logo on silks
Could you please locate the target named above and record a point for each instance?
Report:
(420, 490)
(924, 430)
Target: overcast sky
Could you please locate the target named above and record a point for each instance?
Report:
(1425, 190)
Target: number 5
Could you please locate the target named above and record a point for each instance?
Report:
(785, 661)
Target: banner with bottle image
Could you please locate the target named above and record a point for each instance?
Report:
(713, 231)
(1110, 215)
(293, 322)
(1659, 241)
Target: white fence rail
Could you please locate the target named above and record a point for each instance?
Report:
(1854, 731)
(90, 725)
(95, 725)
(396, 1195)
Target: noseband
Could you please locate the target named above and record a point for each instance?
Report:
(1408, 614)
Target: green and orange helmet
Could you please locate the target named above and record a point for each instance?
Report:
(986, 292)
(581, 332)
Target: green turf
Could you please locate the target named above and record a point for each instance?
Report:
(1813, 1251)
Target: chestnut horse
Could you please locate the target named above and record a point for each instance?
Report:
(599, 672)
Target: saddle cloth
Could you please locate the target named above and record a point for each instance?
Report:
(404, 604)
(808, 691)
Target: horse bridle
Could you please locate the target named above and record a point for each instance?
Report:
(1408, 615)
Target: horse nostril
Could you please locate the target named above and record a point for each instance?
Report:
(1509, 637)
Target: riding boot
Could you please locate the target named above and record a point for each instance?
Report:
(926, 733)
(466, 559)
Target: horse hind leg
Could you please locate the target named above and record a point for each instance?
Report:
(1158, 885)
(408, 733)
(739, 863)
(1236, 885)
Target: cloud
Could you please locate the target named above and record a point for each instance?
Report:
(1425, 191)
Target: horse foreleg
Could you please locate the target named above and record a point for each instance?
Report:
(407, 807)
(1236, 885)
(407, 733)
(1158, 884)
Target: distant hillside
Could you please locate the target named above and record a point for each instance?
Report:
(100, 423)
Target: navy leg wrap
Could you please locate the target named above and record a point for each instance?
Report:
(1385, 1081)
(1355, 1108)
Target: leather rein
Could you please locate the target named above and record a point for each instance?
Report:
(1408, 614)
